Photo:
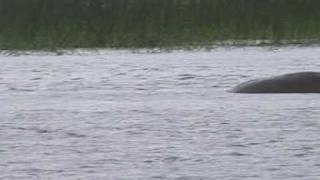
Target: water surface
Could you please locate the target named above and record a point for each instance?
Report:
(123, 115)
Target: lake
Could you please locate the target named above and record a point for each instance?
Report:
(123, 115)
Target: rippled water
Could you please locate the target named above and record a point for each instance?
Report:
(122, 115)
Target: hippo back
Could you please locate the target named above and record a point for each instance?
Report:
(304, 82)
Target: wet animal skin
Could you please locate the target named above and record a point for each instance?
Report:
(301, 82)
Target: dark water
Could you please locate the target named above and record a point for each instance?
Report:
(120, 115)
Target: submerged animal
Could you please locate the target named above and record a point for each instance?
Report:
(301, 82)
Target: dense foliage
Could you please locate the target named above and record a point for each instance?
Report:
(148, 23)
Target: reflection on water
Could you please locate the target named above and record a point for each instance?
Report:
(122, 115)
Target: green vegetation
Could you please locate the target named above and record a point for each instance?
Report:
(38, 24)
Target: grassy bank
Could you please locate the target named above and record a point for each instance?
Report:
(38, 24)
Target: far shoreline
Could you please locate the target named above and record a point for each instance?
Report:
(266, 44)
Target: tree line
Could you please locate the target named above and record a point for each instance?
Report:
(144, 23)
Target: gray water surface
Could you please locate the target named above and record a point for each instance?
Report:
(121, 115)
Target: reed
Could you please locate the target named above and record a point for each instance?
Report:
(38, 24)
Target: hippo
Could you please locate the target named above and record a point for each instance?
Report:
(301, 82)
